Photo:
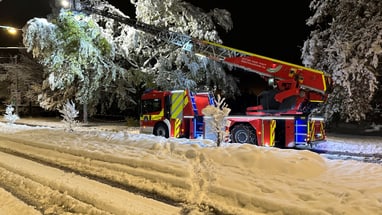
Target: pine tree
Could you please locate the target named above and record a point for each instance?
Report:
(78, 58)
(346, 43)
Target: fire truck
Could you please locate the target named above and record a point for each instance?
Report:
(282, 118)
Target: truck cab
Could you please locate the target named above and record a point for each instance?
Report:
(176, 113)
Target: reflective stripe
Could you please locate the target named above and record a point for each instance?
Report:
(311, 130)
(179, 100)
(177, 105)
(322, 132)
(152, 116)
(177, 128)
(272, 133)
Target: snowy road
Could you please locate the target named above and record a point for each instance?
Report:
(351, 147)
(336, 155)
(57, 182)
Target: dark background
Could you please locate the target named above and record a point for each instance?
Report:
(275, 29)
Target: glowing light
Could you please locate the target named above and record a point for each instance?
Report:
(65, 3)
(10, 30)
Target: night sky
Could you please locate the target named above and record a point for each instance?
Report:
(274, 29)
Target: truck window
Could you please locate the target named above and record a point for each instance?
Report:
(151, 105)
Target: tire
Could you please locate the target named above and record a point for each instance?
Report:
(161, 130)
(243, 133)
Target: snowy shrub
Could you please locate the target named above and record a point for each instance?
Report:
(9, 116)
(218, 119)
(69, 115)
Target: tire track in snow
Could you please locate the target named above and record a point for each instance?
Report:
(341, 155)
(43, 198)
(34, 156)
(202, 169)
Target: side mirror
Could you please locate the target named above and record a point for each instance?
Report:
(271, 82)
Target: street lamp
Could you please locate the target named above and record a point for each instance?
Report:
(12, 31)
(65, 3)
(69, 4)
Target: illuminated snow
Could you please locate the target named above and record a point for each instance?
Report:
(241, 179)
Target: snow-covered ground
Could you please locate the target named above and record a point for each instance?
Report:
(232, 179)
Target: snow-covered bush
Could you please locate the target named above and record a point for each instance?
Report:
(9, 116)
(69, 115)
(218, 121)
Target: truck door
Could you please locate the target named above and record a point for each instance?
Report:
(151, 113)
(167, 107)
(179, 100)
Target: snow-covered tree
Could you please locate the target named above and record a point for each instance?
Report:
(346, 43)
(78, 58)
(167, 65)
(218, 121)
(69, 113)
(178, 68)
(84, 53)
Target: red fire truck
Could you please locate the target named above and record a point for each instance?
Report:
(283, 117)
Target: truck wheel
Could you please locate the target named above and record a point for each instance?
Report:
(161, 130)
(243, 134)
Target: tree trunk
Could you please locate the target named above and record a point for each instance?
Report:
(85, 112)
(30, 108)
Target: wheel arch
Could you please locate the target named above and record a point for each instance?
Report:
(165, 122)
(246, 125)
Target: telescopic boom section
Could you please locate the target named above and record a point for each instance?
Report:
(307, 78)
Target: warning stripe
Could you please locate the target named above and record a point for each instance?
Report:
(178, 101)
(272, 133)
(177, 128)
(311, 130)
(322, 132)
